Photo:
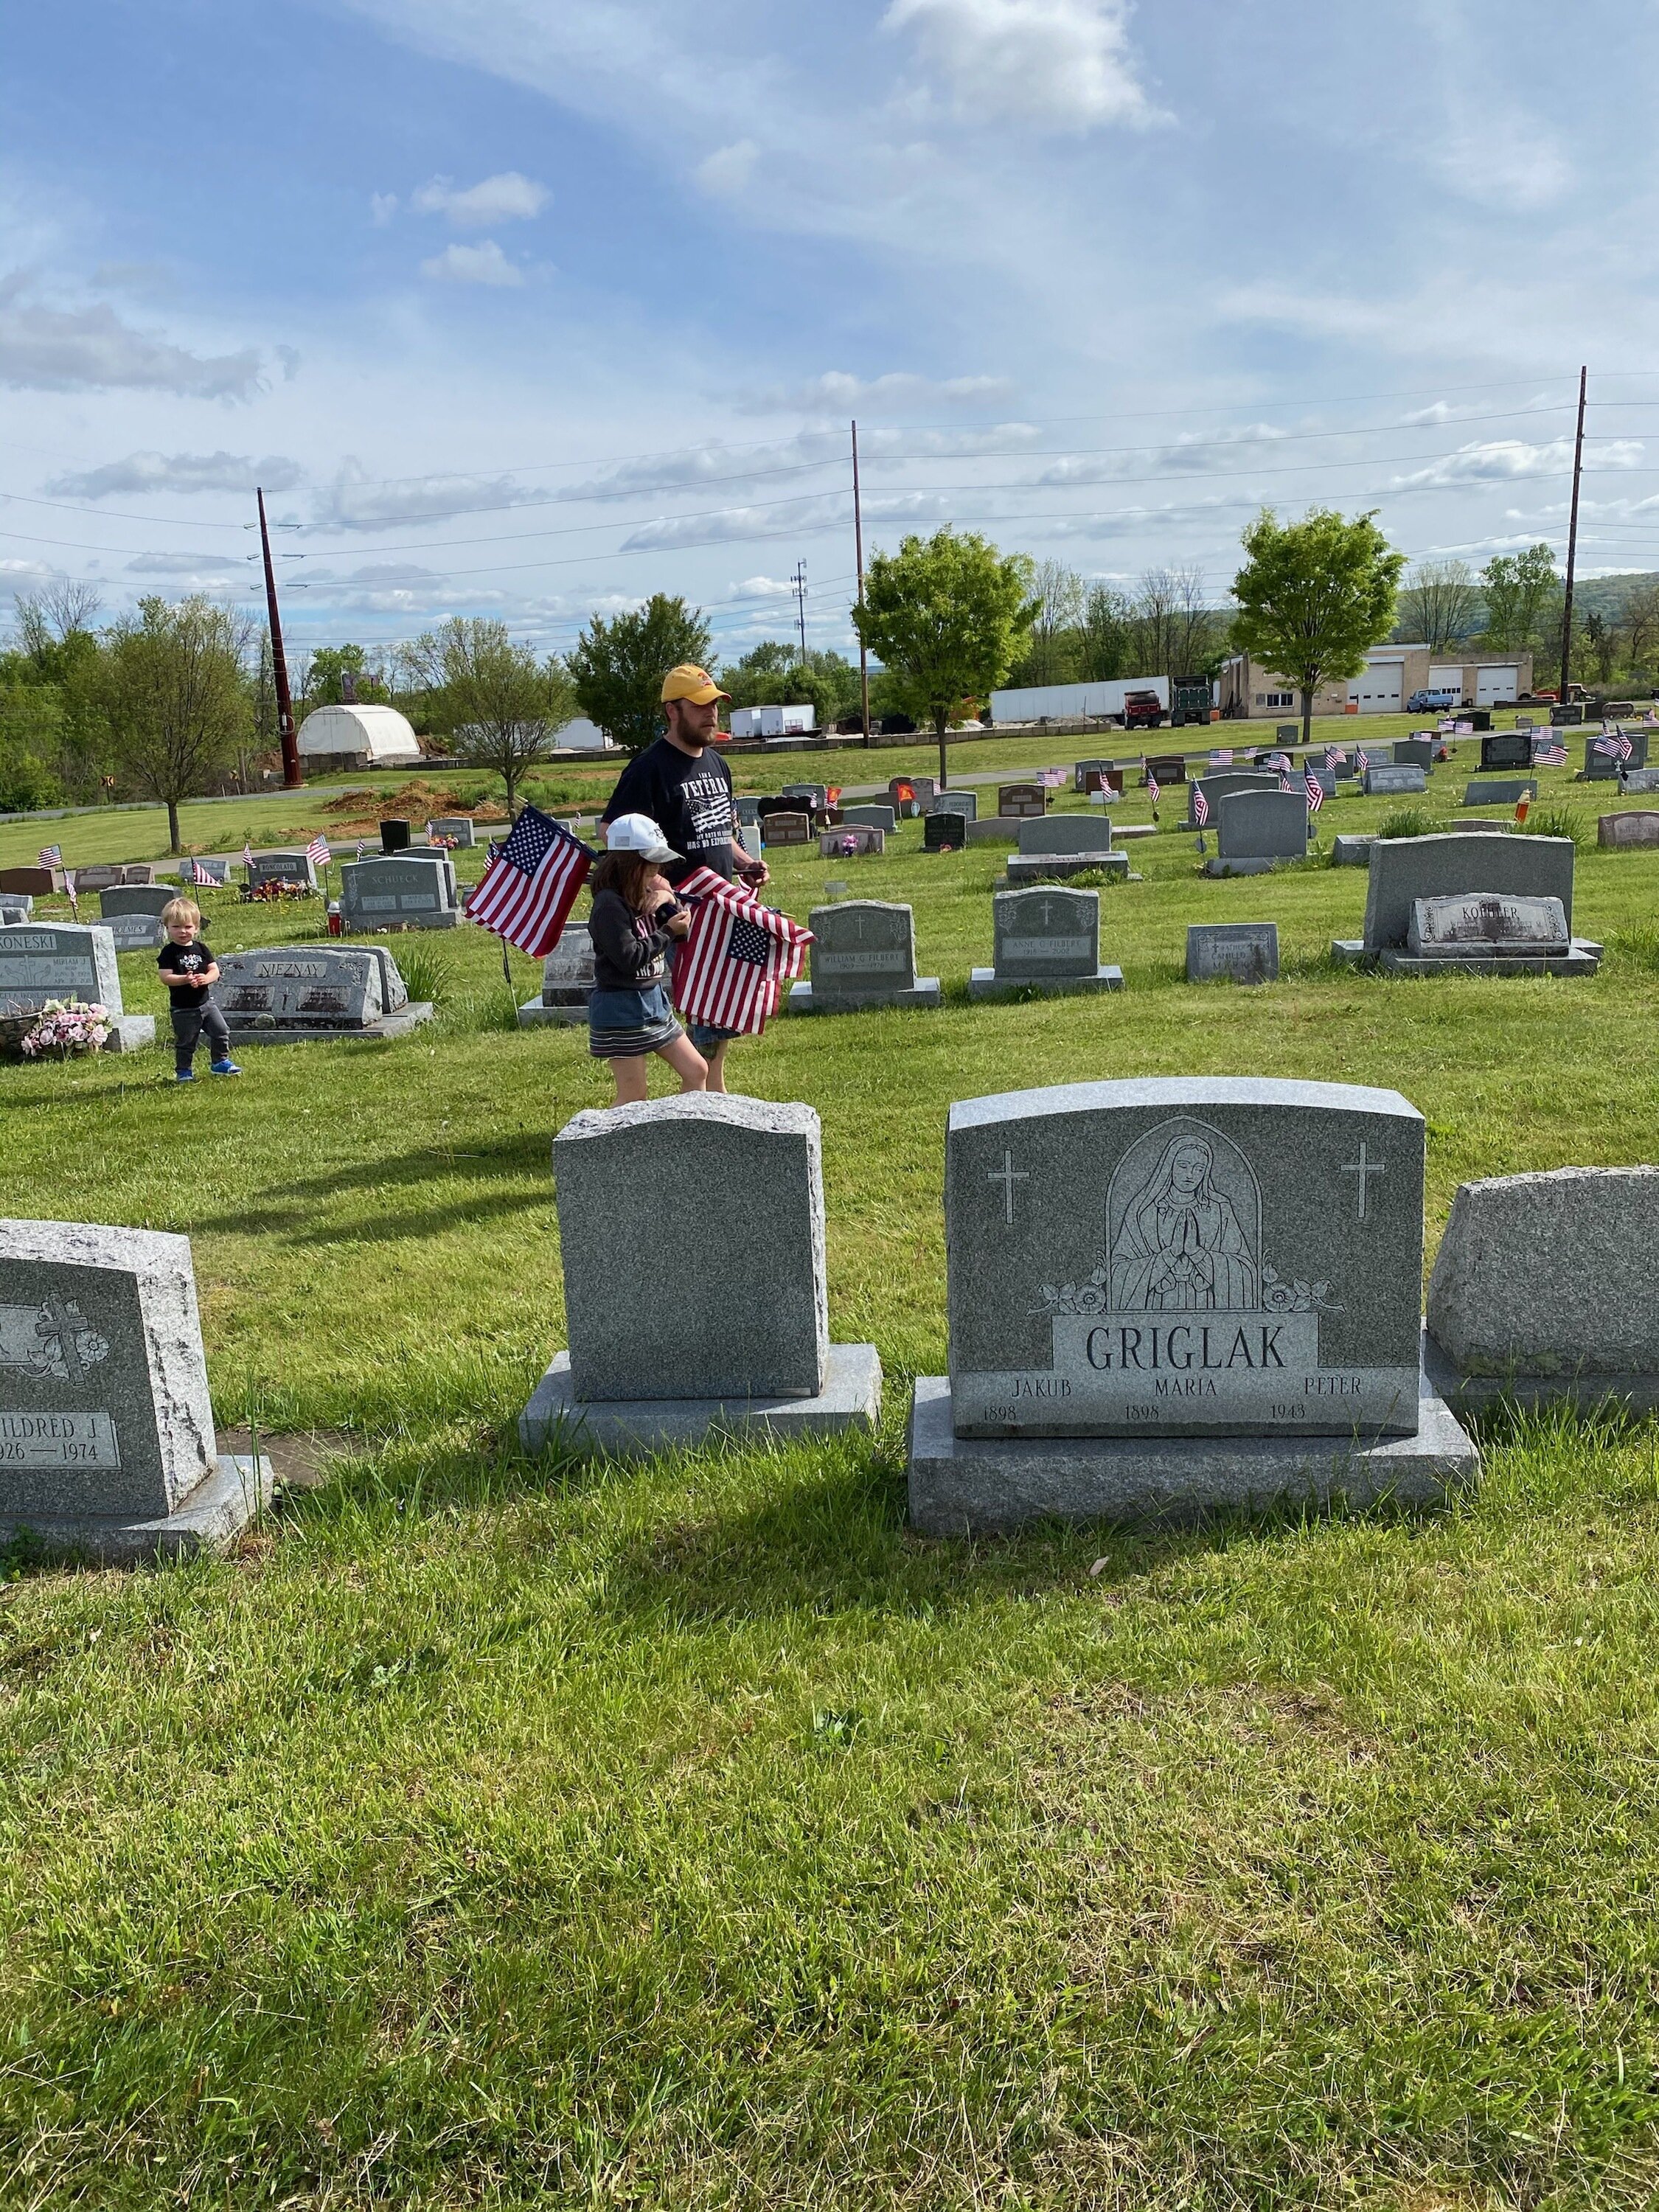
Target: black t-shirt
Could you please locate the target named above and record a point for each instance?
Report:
(193, 959)
(689, 800)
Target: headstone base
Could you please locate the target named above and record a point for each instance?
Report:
(386, 1031)
(130, 1032)
(1248, 867)
(963, 1486)
(533, 1014)
(217, 1510)
(1584, 959)
(986, 983)
(1120, 835)
(633, 1428)
(924, 991)
(1056, 867)
(996, 829)
(1587, 1390)
(442, 919)
(1354, 850)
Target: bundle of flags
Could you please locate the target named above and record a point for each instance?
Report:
(1313, 786)
(1051, 779)
(728, 969)
(1615, 744)
(530, 883)
(317, 851)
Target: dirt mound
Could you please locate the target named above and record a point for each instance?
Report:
(416, 802)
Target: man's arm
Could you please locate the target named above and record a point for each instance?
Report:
(753, 868)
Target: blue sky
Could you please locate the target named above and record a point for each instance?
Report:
(534, 307)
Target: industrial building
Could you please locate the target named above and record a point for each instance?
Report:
(1391, 676)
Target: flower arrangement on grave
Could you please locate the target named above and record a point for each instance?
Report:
(845, 848)
(64, 1032)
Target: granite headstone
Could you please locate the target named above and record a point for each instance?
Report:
(73, 963)
(1045, 940)
(1232, 951)
(414, 890)
(863, 955)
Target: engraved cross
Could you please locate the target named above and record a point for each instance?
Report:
(1008, 1175)
(1361, 1167)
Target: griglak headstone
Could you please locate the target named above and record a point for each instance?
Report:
(106, 1437)
(863, 955)
(644, 1368)
(1046, 940)
(1204, 1291)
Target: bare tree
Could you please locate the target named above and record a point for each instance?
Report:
(1052, 652)
(1172, 631)
(1439, 603)
(53, 615)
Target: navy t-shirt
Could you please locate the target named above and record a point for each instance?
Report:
(689, 798)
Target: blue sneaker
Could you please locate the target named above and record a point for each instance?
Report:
(185, 1075)
(226, 1067)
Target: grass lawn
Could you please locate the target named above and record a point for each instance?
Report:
(493, 1833)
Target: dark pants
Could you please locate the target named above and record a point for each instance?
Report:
(188, 1023)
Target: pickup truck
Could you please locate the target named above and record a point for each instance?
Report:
(1142, 710)
(1434, 703)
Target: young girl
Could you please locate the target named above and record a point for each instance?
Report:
(634, 916)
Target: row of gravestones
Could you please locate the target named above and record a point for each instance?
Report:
(1165, 1297)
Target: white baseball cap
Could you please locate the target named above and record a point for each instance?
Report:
(638, 833)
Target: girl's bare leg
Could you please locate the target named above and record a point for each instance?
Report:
(630, 1079)
(687, 1062)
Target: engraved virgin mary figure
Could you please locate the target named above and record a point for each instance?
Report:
(1180, 1248)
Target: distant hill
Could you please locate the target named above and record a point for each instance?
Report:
(1601, 595)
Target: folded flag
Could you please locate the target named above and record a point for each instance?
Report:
(530, 884)
(728, 968)
(1201, 805)
(1314, 787)
(51, 856)
(317, 851)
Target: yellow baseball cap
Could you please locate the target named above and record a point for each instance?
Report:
(688, 681)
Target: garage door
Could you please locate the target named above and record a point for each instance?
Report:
(1378, 691)
(1448, 677)
(1496, 686)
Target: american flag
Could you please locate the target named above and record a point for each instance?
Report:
(1221, 758)
(1280, 761)
(68, 886)
(528, 888)
(728, 970)
(247, 856)
(1154, 790)
(1314, 787)
(317, 851)
(1201, 805)
(1616, 744)
(1550, 755)
(1360, 761)
(198, 874)
(1285, 783)
(1333, 754)
(1051, 779)
(360, 848)
(51, 856)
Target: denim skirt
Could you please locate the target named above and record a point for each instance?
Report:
(623, 1025)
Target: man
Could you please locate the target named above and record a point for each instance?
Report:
(686, 789)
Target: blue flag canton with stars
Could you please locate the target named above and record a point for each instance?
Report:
(748, 941)
(530, 840)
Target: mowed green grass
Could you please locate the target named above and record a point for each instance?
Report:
(490, 1832)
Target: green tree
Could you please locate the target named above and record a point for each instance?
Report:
(331, 665)
(1314, 596)
(617, 666)
(174, 698)
(770, 674)
(502, 707)
(947, 617)
(1104, 635)
(1521, 590)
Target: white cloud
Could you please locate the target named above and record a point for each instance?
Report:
(1200, 453)
(484, 264)
(353, 502)
(727, 171)
(1494, 460)
(1056, 65)
(189, 472)
(92, 349)
(182, 564)
(143, 280)
(508, 198)
(1506, 160)
(382, 206)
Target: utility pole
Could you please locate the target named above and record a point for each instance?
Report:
(800, 601)
(1572, 546)
(292, 778)
(858, 540)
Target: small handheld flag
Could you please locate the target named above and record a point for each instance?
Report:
(1314, 787)
(1154, 790)
(51, 856)
(728, 968)
(1201, 805)
(528, 888)
(1360, 761)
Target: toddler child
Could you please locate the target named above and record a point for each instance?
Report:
(190, 972)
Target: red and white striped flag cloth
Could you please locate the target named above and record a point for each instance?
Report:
(247, 856)
(1360, 761)
(1201, 805)
(1314, 787)
(526, 891)
(317, 851)
(1551, 756)
(51, 856)
(198, 874)
(728, 970)
(70, 892)
(1154, 790)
